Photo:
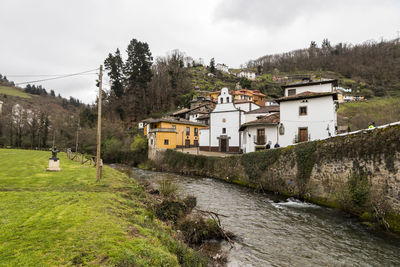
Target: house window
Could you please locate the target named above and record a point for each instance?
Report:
(187, 130)
(166, 142)
(174, 126)
(224, 130)
(260, 136)
(196, 131)
(151, 141)
(291, 92)
(303, 111)
(223, 120)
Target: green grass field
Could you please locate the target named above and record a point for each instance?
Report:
(66, 218)
(6, 90)
(381, 110)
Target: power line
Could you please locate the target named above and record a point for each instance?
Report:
(58, 77)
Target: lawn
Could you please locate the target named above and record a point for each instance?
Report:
(6, 90)
(66, 218)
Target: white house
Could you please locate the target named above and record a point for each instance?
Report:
(257, 133)
(247, 74)
(308, 112)
(225, 120)
(222, 67)
(1, 106)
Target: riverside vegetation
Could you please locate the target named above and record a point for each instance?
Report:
(358, 173)
(66, 218)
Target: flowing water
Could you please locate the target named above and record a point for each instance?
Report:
(287, 232)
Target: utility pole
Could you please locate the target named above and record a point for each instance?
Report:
(98, 158)
(77, 137)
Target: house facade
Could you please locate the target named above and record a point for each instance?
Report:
(171, 133)
(247, 74)
(257, 133)
(308, 111)
(222, 67)
(251, 95)
(225, 120)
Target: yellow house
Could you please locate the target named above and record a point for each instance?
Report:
(172, 133)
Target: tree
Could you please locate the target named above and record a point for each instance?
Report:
(114, 65)
(259, 69)
(212, 66)
(137, 72)
(52, 93)
(245, 83)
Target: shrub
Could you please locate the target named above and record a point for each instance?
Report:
(139, 143)
(167, 187)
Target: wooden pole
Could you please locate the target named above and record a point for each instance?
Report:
(98, 158)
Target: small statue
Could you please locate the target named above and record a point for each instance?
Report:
(54, 152)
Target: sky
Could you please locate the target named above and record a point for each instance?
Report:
(56, 37)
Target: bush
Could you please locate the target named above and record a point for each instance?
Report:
(139, 144)
(167, 187)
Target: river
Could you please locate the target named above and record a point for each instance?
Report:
(286, 232)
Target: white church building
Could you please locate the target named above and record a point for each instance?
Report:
(225, 121)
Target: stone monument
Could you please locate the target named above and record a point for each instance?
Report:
(54, 162)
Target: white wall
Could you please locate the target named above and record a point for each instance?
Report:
(250, 133)
(247, 106)
(204, 135)
(318, 88)
(321, 114)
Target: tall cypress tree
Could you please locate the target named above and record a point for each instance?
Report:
(137, 72)
(113, 64)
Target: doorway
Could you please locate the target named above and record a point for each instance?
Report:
(303, 134)
(187, 143)
(223, 145)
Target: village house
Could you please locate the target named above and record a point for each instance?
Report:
(254, 96)
(171, 133)
(225, 120)
(222, 67)
(257, 133)
(247, 74)
(308, 111)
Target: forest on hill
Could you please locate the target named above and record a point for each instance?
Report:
(373, 68)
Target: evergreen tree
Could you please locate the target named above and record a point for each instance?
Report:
(212, 66)
(137, 72)
(114, 65)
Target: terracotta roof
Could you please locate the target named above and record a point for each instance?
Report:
(174, 120)
(266, 109)
(273, 119)
(307, 94)
(312, 82)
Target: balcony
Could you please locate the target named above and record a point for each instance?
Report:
(166, 130)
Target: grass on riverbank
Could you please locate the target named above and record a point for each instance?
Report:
(66, 218)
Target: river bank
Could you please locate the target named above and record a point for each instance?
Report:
(357, 173)
(67, 218)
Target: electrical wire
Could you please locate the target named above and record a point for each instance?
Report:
(59, 77)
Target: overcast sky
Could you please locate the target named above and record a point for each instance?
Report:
(69, 36)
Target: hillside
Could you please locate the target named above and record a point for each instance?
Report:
(371, 68)
(25, 118)
(66, 218)
(358, 115)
